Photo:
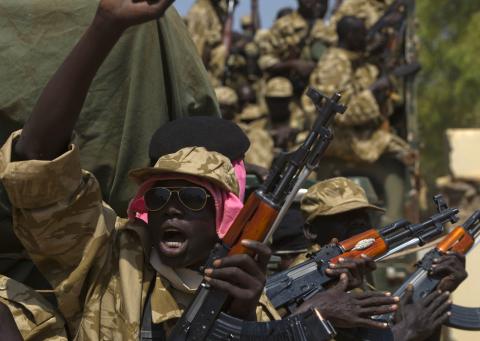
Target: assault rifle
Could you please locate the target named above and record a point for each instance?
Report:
(292, 287)
(461, 239)
(259, 218)
(228, 36)
(393, 16)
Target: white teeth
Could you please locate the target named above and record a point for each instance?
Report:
(173, 244)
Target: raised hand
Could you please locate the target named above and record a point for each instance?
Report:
(125, 13)
(243, 277)
(351, 309)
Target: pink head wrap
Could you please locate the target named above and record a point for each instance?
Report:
(227, 204)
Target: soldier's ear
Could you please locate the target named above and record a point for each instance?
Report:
(309, 233)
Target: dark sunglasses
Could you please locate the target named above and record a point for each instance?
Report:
(193, 198)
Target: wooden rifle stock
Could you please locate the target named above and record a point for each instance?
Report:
(458, 240)
(253, 222)
(462, 238)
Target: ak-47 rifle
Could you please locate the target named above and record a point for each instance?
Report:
(255, 13)
(292, 287)
(387, 20)
(461, 239)
(259, 218)
(227, 36)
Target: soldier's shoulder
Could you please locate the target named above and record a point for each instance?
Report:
(33, 314)
(334, 56)
(290, 22)
(199, 9)
(367, 10)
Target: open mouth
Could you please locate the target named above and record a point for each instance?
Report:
(173, 242)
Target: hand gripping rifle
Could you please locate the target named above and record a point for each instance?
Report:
(290, 288)
(259, 217)
(462, 239)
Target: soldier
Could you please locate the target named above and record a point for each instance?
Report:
(286, 120)
(260, 154)
(205, 22)
(253, 116)
(291, 50)
(338, 208)
(367, 10)
(228, 101)
(361, 134)
(335, 208)
(105, 269)
(117, 121)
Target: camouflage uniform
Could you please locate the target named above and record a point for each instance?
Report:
(36, 319)
(97, 262)
(281, 87)
(359, 135)
(253, 115)
(226, 96)
(367, 10)
(204, 25)
(253, 121)
(260, 152)
(206, 30)
(290, 37)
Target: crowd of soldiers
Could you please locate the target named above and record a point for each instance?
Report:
(261, 74)
(127, 276)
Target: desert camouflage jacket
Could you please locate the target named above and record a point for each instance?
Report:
(290, 37)
(97, 263)
(36, 319)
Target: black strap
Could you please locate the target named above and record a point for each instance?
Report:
(151, 331)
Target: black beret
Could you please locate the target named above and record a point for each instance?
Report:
(213, 133)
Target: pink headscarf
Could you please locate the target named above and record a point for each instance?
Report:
(227, 204)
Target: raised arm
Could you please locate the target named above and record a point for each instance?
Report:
(48, 131)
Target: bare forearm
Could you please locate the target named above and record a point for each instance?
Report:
(47, 132)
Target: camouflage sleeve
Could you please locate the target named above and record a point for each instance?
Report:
(362, 105)
(362, 108)
(261, 149)
(284, 40)
(334, 73)
(266, 311)
(35, 318)
(204, 30)
(196, 27)
(267, 58)
(58, 214)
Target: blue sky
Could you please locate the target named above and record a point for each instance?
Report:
(268, 9)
